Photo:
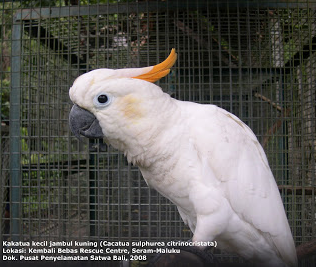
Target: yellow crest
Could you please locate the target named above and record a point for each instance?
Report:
(160, 70)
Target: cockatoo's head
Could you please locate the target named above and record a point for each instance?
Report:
(108, 102)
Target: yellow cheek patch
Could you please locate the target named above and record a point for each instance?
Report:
(130, 107)
(160, 70)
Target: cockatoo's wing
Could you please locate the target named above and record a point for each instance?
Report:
(239, 162)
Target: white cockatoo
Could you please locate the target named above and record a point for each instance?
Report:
(201, 157)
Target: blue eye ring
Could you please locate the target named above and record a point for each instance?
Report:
(102, 100)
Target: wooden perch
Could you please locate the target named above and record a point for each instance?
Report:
(306, 250)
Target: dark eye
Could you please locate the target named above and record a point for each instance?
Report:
(102, 99)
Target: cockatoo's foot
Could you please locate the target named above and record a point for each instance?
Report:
(188, 256)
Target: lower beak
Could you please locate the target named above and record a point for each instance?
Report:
(82, 122)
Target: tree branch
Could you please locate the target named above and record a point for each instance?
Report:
(273, 104)
(275, 127)
(200, 40)
(306, 250)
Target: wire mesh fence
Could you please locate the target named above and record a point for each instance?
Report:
(255, 59)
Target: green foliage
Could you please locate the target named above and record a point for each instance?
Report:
(5, 98)
(45, 3)
(38, 184)
(5, 51)
(289, 50)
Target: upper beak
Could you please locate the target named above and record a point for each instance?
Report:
(83, 122)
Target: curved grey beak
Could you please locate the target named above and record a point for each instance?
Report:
(83, 122)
